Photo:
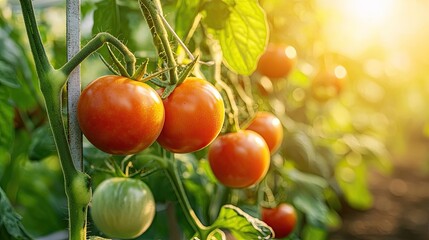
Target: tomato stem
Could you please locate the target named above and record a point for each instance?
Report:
(176, 182)
(77, 184)
(230, 103)
(241, 92)
(93, 45)
(152, 11)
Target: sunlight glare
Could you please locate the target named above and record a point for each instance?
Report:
(364, 12)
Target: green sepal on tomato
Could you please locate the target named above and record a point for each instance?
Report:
(282, 219)
(122, 207)
(119, 115)
(239, 159)
(194, 116)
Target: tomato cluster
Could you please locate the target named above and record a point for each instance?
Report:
(122, 116)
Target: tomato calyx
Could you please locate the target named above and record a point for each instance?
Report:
(182, 76)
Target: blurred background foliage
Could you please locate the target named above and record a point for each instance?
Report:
(331, 143)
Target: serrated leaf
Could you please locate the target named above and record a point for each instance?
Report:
(10, 220)
(244, 36)
(242, 225)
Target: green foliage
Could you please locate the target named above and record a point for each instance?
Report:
(42, 144)
(186, 13)
(242, 36)
(10, 222)
(110, 16)
(241, 225)
(326, 155)
(307, 194)
(6, 120)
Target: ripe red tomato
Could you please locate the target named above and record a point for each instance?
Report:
(277, 61)
(194, 115)
(239, 159)
(119, 115)
(282, 219)
(269, 127)
(122, 207)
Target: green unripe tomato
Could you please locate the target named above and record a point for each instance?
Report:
(122, 207)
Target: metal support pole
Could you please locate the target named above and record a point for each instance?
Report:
(74, 83)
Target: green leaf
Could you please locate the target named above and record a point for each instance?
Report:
(244, 35)
(352, 179)
(114, 16)
(187, 10)
(307, 194)
(10, 220)
(9, 60)
(314, 233)
(41, 196)
(242, 225)
(98, 238)
(300, 148)
(42, 144)
(6, 120)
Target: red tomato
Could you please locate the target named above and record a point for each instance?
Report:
(240, 159)
(277, 61)
(269, 127)
(194, 115)
(282, 219)
(119, 115)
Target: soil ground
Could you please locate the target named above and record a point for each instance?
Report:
(401, 203)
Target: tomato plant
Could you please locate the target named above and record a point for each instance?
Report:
(194, 115)
(282, 219)
(122, 207)
(277, 61)
(119, 115)
(269, 127)
(239, 159)
(123, 115)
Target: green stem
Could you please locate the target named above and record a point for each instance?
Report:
(191, 217)
(77, 184)
(152, 11)
(41, 59)
(93, 45)
(232, 116)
